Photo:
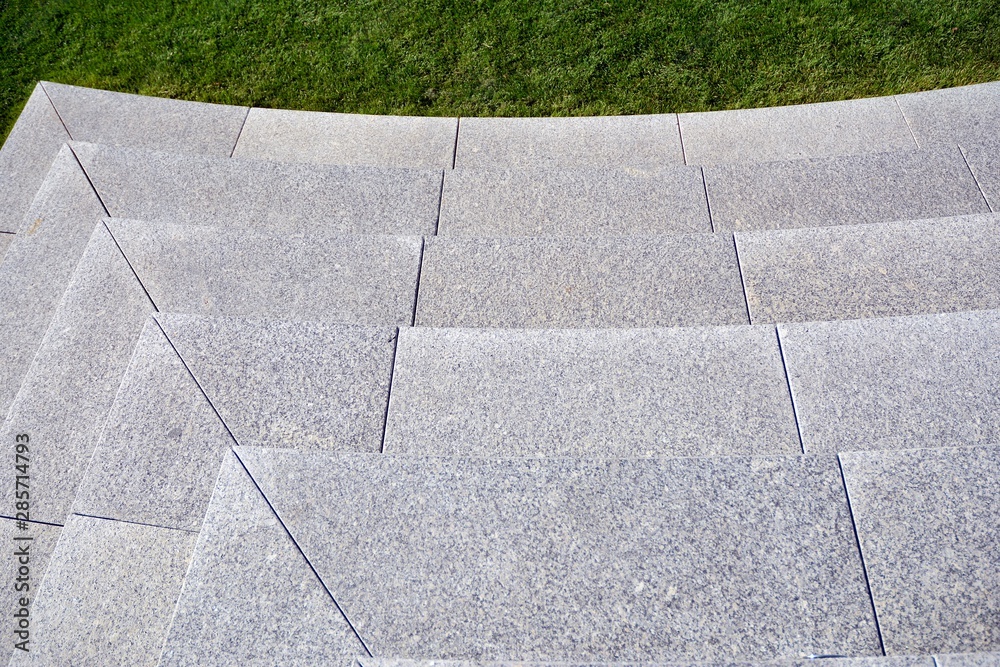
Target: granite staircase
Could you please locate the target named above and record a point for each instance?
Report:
(716, 389)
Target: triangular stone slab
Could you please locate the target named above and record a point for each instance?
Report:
(72, 382)
(291, 384)
(570, 559)
(39, 264)
(250, 596)
(161, 447)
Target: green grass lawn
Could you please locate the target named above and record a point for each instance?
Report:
(509, 57)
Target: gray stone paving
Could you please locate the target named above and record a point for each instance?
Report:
(229, 272)
(985, 165)
(967, 114)
(860, 189)
(290, 384)
(573, 202)
(289, 620)
(153, 123)
(5, 240)
(26, 156)
(39, 264)
(73, 380)
(267, 196)
(890, 661)
(681, 280)
(805, 130)
(927, 520)
(40, 546)
(902, 383)
(108, 595)
(159, 452)
(634, 392)
(619, 559)
(334, 138)
(643, 142)
(969, 660)
(905, 268)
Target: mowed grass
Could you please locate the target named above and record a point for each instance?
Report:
(509, 57)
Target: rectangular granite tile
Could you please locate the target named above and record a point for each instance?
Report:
(140, 121)
(26, 156)
(642, 142)
(901, 383)
(39, 263)
(927, 520)
(5, 240)
(901, 268)
(966, 114)
(590, 392)
(554, 559)
(250, 597)
(573, 202)
(847, 127)
(571, 282)
(879, 661)
(29, 548)
(968, 660)
(73, 379)
(341, 138)
(290, 384)
(857, 189)
(267, 196)
(160, 449)
(108, 595)
(985, 164)
(230, 272)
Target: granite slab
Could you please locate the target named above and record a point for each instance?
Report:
(26, 156)
(927, 520)
(250, 596)
(159, 452)
(885, 270)
(72, 382)
(985, 165)
(573, 559)
(267, 196)
(573, 202)
(241, 273)
(820, 661)
(847, 127)
(23, 576)
(354, 139)
(966, 114)
(39, 263)
(5, 240)
(618, 393)
(153, 123)
(290, 384)
(568, 282)
(108, 594)
(899, 383)
(644, 142)
(968, 660)
(858, 189)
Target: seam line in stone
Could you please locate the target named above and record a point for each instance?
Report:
(136, 523)
(304, 557)
(416, 292)
(240, 133)
(861, 553)
(58, 115)
(680, 135)
(454, 150)
(388, 400)
(743, 282)
(976, 179)
(131, 268)
(90, 181)
(43, 523)
(437, 220)
(791, 394)
(708, 202)
(895, 98)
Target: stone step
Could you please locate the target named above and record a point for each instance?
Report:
(547, 282)
(817, 661)
(241, 273)
(573, 202)
(266, 196)
(865, 271)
